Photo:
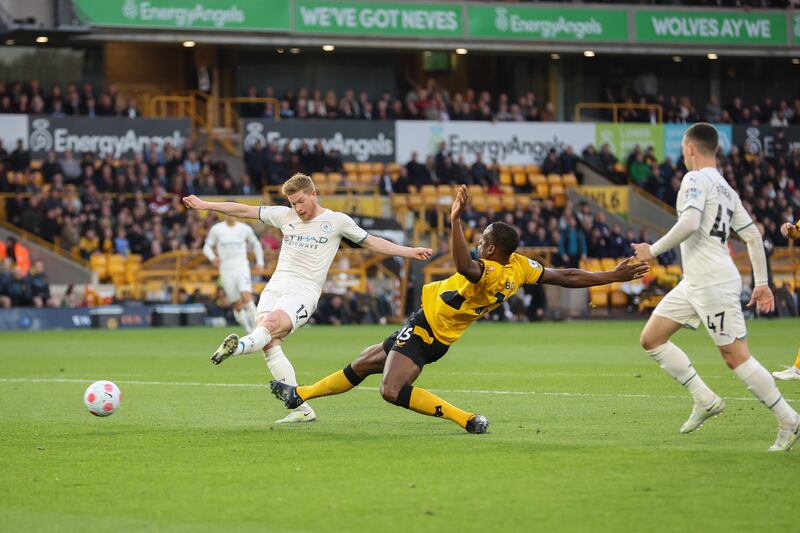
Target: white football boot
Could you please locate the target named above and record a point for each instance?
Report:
(302, 414)
(701, 414)
(225, 349)
(787, 436)
(791, 372)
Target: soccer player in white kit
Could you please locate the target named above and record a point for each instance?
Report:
(708, 208)
(226, 247)
(311, 237)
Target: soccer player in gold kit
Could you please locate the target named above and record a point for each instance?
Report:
(791, 231)
(448, 307)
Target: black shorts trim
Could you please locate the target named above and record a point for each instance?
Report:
(416, 341)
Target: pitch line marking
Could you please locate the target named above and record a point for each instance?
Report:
(374, 389)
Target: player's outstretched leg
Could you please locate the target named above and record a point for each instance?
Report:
(791, 372)
(275, 324)
(760, 383)
(283, 372)
(655, 341)
(396, 388)
(370, 361)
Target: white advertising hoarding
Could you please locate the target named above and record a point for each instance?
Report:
(13, 128)
(508, 142)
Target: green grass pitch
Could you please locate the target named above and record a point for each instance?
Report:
(583, 436)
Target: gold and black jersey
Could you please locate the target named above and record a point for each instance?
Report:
(452, 304)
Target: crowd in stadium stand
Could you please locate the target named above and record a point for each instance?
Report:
(73, 100)
(680, 109)
(768, 186)
(21, 284)
(434, 103)
(66, 199)
(430, 102)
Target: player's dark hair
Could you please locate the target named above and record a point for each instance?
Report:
(704, 136)
(505, 237)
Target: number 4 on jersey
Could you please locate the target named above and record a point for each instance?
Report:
(720, 229)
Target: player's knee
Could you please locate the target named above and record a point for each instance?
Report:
(649, 341)
(390, 391)
(371, 361)
(270, 322)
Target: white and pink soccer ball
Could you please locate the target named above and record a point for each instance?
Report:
(102, 398)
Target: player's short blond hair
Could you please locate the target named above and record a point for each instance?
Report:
(297, 183)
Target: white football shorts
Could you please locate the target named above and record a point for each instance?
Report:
(297, 302)
(717, 307)
(235, 282)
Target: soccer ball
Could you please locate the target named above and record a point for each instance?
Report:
(102, 398)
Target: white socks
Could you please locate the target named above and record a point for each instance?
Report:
(242, 319)
(250, 311)
(246, 316)
(761, 384)
(283, 371)
(677, 364)
(254, 342)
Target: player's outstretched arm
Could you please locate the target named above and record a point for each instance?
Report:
(227, 208)
(384, 247)
(574, 278)
(687, 223)
(762, 295)
(465, 265)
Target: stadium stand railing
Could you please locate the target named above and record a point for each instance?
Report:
(615, 107)
(218, 118)
(54, 247)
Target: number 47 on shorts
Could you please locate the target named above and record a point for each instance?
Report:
(711, 324)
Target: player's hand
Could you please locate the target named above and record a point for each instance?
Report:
(193, 202)
(215, 262)
(790, 230)
(258, 270)
(642, 252)
(421, 253)
(763, 299)
(630, 268)
(462, 197)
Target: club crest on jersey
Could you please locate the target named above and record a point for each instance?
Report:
(327, 227)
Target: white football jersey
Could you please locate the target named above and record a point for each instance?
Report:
(309, 247)
(230, 243)
(706, 258)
